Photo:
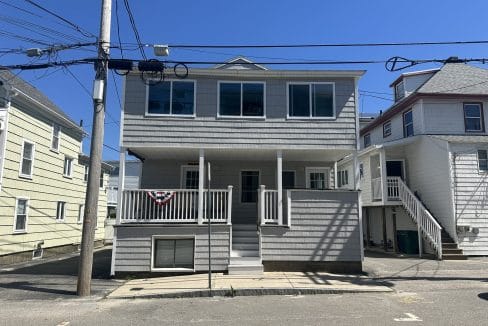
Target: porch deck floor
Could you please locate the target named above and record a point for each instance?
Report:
(269, 283)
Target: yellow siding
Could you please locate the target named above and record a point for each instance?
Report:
(44, 190)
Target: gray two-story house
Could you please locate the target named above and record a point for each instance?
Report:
(270, 139)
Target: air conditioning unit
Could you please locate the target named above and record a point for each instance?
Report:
(461, 229)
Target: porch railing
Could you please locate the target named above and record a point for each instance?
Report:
(376, 189)
(393, 188)
(138, 206)
(269, 206)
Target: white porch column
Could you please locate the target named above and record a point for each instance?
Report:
(355, 171)
(384, 187)
(201, 181)
(335, 175)
(279, 183)
(120, 190)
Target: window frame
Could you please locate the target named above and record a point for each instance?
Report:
(81, 214)
(310, 117)
(482, 118)
(319, 169)
(480, 170)
(241, 116)
(148, 114)
(58, 211)
(22, 175)
(387, 123)
(405, 125)
(399, 96)
(183, 170)
(14, 227)
(368, 136)
(58, 136)
(177, 269)
(70, 166)
(86, 173)
(240, 186)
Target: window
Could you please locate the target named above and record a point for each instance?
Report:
(173, 253)
(68, 166)
(81, 213)
(21, 207)
(61, 211)
(249, 186)
(386, 129)
(473, 117)
(85, 175)
(317, 178)
(191, 179)
(241, 99)
(361, 170)
(171, 98)
(55, 138)
(367, 140)
(399, 91)
(408, 124)
(288, 179)
(27, 159)
(343, 178)
(483, 160)
(311, 100)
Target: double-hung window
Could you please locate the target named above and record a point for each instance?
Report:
(21, 207)
(408, 124)
(483, 160)
(399, 91)
(27, 159)
(317, 178)
(311, 100)
(367, 140)
(55, 137)
(239, 99)
(60, 211)
(473, 117)
(68, 167)
(171, 97)
(343, 178)
(386, 129)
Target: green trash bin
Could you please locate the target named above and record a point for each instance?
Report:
(408, 242)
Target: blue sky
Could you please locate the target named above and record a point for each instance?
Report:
(245, 22)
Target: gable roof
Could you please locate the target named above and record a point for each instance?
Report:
(240, 63)
(34, 95)
(452, 79)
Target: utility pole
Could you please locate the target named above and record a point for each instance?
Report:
(95, 165)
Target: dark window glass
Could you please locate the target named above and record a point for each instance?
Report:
(27, 158)
(399, 91)
(473, 117)
(252, 99)
(250, 184)
(299, 100)
(159, 98)
(191, 180)
(367, 140)
(483, 160)
(387, 129)
(317, 180)
(322, 100)
(408, 124)
(230, 99)
(173, 253)
(21, 217)
(183, 98)
(288, 179)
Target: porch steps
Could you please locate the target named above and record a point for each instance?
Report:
(450, 249)
(245, 258)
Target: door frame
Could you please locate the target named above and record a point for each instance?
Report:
(240, 185)
(404, 176)
(183, 170)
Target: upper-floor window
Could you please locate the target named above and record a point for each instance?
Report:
(20, 224)
(399, 91)
(241, 99)
(473, 117)
(367, 140)
(408, 124)
(68, 166)
(171, 98)
(312, 100)
(55, 138)
(386, 129)
(483, 160)
(27, 159)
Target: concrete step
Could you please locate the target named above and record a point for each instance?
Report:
(454, 257)
(244, 253)
(449, 245)
(245, 261)
(245, 246)
(244, 227)
(447, 251)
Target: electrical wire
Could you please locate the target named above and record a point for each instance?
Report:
(134, 29)
(117, 25)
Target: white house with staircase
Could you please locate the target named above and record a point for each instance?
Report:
(424, 165)
(271, 139)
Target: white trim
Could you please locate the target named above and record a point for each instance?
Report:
(241, 116)
(81, 214)
(319, 169)
(55, 150)
(273, 73)
(240, 185)
(310, 117)
(3, 145)
(121, 185)
(184, 168)
(114, 251)
(171, 237)
(122, 110)
(21, 175)
(14, 230)
(171, 115)
(63, 212)
(279, 170)
(70, 161)
(201, 184)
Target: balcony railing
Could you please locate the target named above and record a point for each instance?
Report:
(181, 206)
(393, 188)
(376, 189)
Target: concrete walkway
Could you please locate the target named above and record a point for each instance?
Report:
(276, 283)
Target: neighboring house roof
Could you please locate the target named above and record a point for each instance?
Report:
(85, 160)
(240, 63)
(452, 80)
(34, 95)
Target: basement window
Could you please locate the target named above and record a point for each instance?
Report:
(173, 254)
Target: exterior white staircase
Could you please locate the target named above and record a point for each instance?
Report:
(245, 258)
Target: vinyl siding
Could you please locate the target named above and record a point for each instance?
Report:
(324, 227)
(134, 246)
(208, 131)
(45, 189)
(471, 197)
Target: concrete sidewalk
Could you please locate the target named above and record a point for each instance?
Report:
(276, 283)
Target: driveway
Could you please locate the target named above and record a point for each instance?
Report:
(55, 278)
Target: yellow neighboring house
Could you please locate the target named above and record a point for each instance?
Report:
(42, 176)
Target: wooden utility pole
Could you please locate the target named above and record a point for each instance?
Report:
(95, 165)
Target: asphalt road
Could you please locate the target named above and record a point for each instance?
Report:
(426, 292)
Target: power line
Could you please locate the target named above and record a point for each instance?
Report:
(375, 96)
(134, 28)
(117, 25)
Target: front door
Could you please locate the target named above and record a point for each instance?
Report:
(190, 177)
(394, 169)
(249, 197)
